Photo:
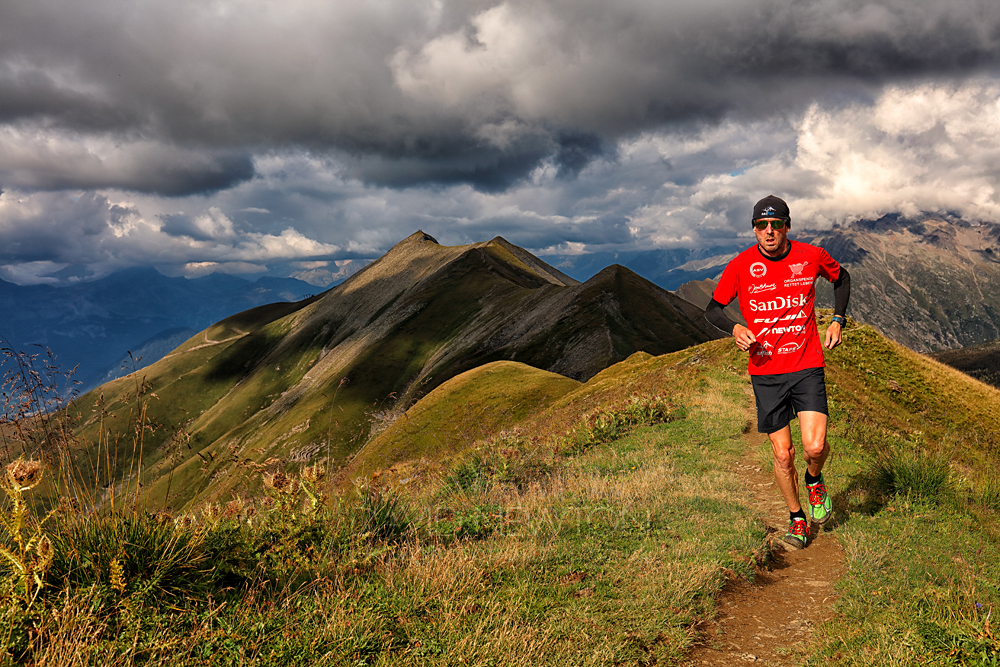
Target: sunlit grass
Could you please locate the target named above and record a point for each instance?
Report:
(524, 548)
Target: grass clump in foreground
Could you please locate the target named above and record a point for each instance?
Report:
(918, 518)
(526, 549)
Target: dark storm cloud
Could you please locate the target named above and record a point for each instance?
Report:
(75, 226)
(216, 173)
(491, 169)
(37, 158)
(576, 151)
(424, 92)
(183, 225)
(34, 93)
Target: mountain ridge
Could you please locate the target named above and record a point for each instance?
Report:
(300, 381)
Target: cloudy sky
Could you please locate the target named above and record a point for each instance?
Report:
(244, 135)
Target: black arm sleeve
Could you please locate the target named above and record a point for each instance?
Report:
(841, 293)
(717, 318)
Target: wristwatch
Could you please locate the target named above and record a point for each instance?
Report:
(839, 319)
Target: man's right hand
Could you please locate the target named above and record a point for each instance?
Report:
(744, 337)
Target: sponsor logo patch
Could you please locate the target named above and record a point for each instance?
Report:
(792, 329)
(797, 269)
(788, 348)
(762, 287)
(779, 303)
(758, 270)
(799, 275)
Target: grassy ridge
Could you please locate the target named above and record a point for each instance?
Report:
(596, 530)
(918, 500)
(524, 551)
(469, 407)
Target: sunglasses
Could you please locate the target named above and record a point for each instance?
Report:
(775, 224)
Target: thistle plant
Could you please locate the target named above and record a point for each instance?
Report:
(25, 548)
(284, 489)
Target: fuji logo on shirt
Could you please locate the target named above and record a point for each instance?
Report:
(758, 270)
(771, 320)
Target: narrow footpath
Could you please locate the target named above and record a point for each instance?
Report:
(771, 621)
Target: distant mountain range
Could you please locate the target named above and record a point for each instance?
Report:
(310, 381)
(930, 282)
(93, 326)
(668, 268)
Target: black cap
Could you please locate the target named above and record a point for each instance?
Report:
(771, 207)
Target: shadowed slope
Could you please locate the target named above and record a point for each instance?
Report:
(980, 361)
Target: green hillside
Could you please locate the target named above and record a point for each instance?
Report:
(597, 529)
(299, 384)
(466, 408)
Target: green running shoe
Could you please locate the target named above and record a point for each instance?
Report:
(820, 503)
(798, 534)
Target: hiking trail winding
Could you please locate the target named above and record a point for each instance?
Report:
(771, 620)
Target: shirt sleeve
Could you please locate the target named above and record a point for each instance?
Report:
(728, 287)
(829, 268)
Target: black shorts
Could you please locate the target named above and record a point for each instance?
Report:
(781, 397)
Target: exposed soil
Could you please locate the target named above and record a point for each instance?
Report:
(771, 621)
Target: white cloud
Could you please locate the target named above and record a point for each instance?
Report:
(290, 243)
(200, 269)
(924, 147)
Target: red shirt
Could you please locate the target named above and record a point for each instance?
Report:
(777, 299)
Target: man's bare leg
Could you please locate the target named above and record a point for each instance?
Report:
(788, 481)
(784, 467)
(815, 450)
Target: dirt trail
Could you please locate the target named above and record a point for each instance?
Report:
(771, 621)
(209, 343)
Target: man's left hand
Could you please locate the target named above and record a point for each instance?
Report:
(833, 338)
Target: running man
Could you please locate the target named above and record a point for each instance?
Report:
(774, 281)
